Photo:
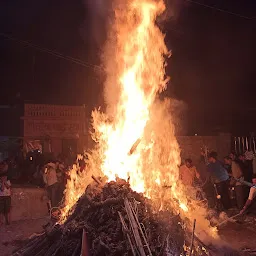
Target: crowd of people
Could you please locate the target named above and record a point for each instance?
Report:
(36, 170)
(227, 184)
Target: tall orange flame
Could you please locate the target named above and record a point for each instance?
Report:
(140, 53)
(135, 137)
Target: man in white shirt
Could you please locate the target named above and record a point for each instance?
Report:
(51, 181)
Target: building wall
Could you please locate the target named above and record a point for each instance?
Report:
(53, 124)
(28, 203)
(191, 145)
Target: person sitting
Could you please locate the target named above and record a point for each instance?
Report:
(5, 197)
(220, 179)
(251, 196)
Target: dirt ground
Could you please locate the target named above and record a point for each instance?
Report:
(10, 236)
(239, 235)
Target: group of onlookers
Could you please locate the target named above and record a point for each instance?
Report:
(51, 175)
(225, 184)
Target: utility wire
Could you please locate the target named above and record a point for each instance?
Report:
(221, 10)
(51, 52)
(96, 67)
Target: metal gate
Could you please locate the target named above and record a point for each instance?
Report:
(244, 144)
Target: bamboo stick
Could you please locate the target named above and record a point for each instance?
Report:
(141, 231)
(96, 179)
(53, 248)
(75, 252)
(228, 219)
(84, 248)
(125, 230)
(31, 250)
(134, 146)
(192, 239)
(134, 228)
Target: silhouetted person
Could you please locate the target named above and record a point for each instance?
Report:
(188, 173)
(50, 179)
(207, 185)
(236, 173)
(251, 196)
(247, 169)
(5, 197)
(220, 179)
(246, 166)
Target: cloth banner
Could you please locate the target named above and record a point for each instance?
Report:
(33, 145)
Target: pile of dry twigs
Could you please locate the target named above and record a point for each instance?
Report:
(110, 219)
(115, 220)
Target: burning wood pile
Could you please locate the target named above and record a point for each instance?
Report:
(116, 221)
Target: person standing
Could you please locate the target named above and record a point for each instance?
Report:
(5, 197)
(188, 173)
(4, 167)
(51, 181)
(188, 176)
(237, 173)
(207, 185)
(60, 169)
(220, 179)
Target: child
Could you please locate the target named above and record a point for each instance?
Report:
(5, 197)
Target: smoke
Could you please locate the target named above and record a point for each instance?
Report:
(172, 12)
(109, 57)
(98, 12)
(178, 111)
(93, 29)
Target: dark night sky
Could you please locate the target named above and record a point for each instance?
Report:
(211, 67)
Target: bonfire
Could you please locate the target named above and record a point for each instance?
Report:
(136, 205)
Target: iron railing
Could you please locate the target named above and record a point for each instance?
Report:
(241, 144)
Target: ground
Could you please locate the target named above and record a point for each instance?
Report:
(10, 236)
(239, 235)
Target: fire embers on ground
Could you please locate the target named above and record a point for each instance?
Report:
(117, 221)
